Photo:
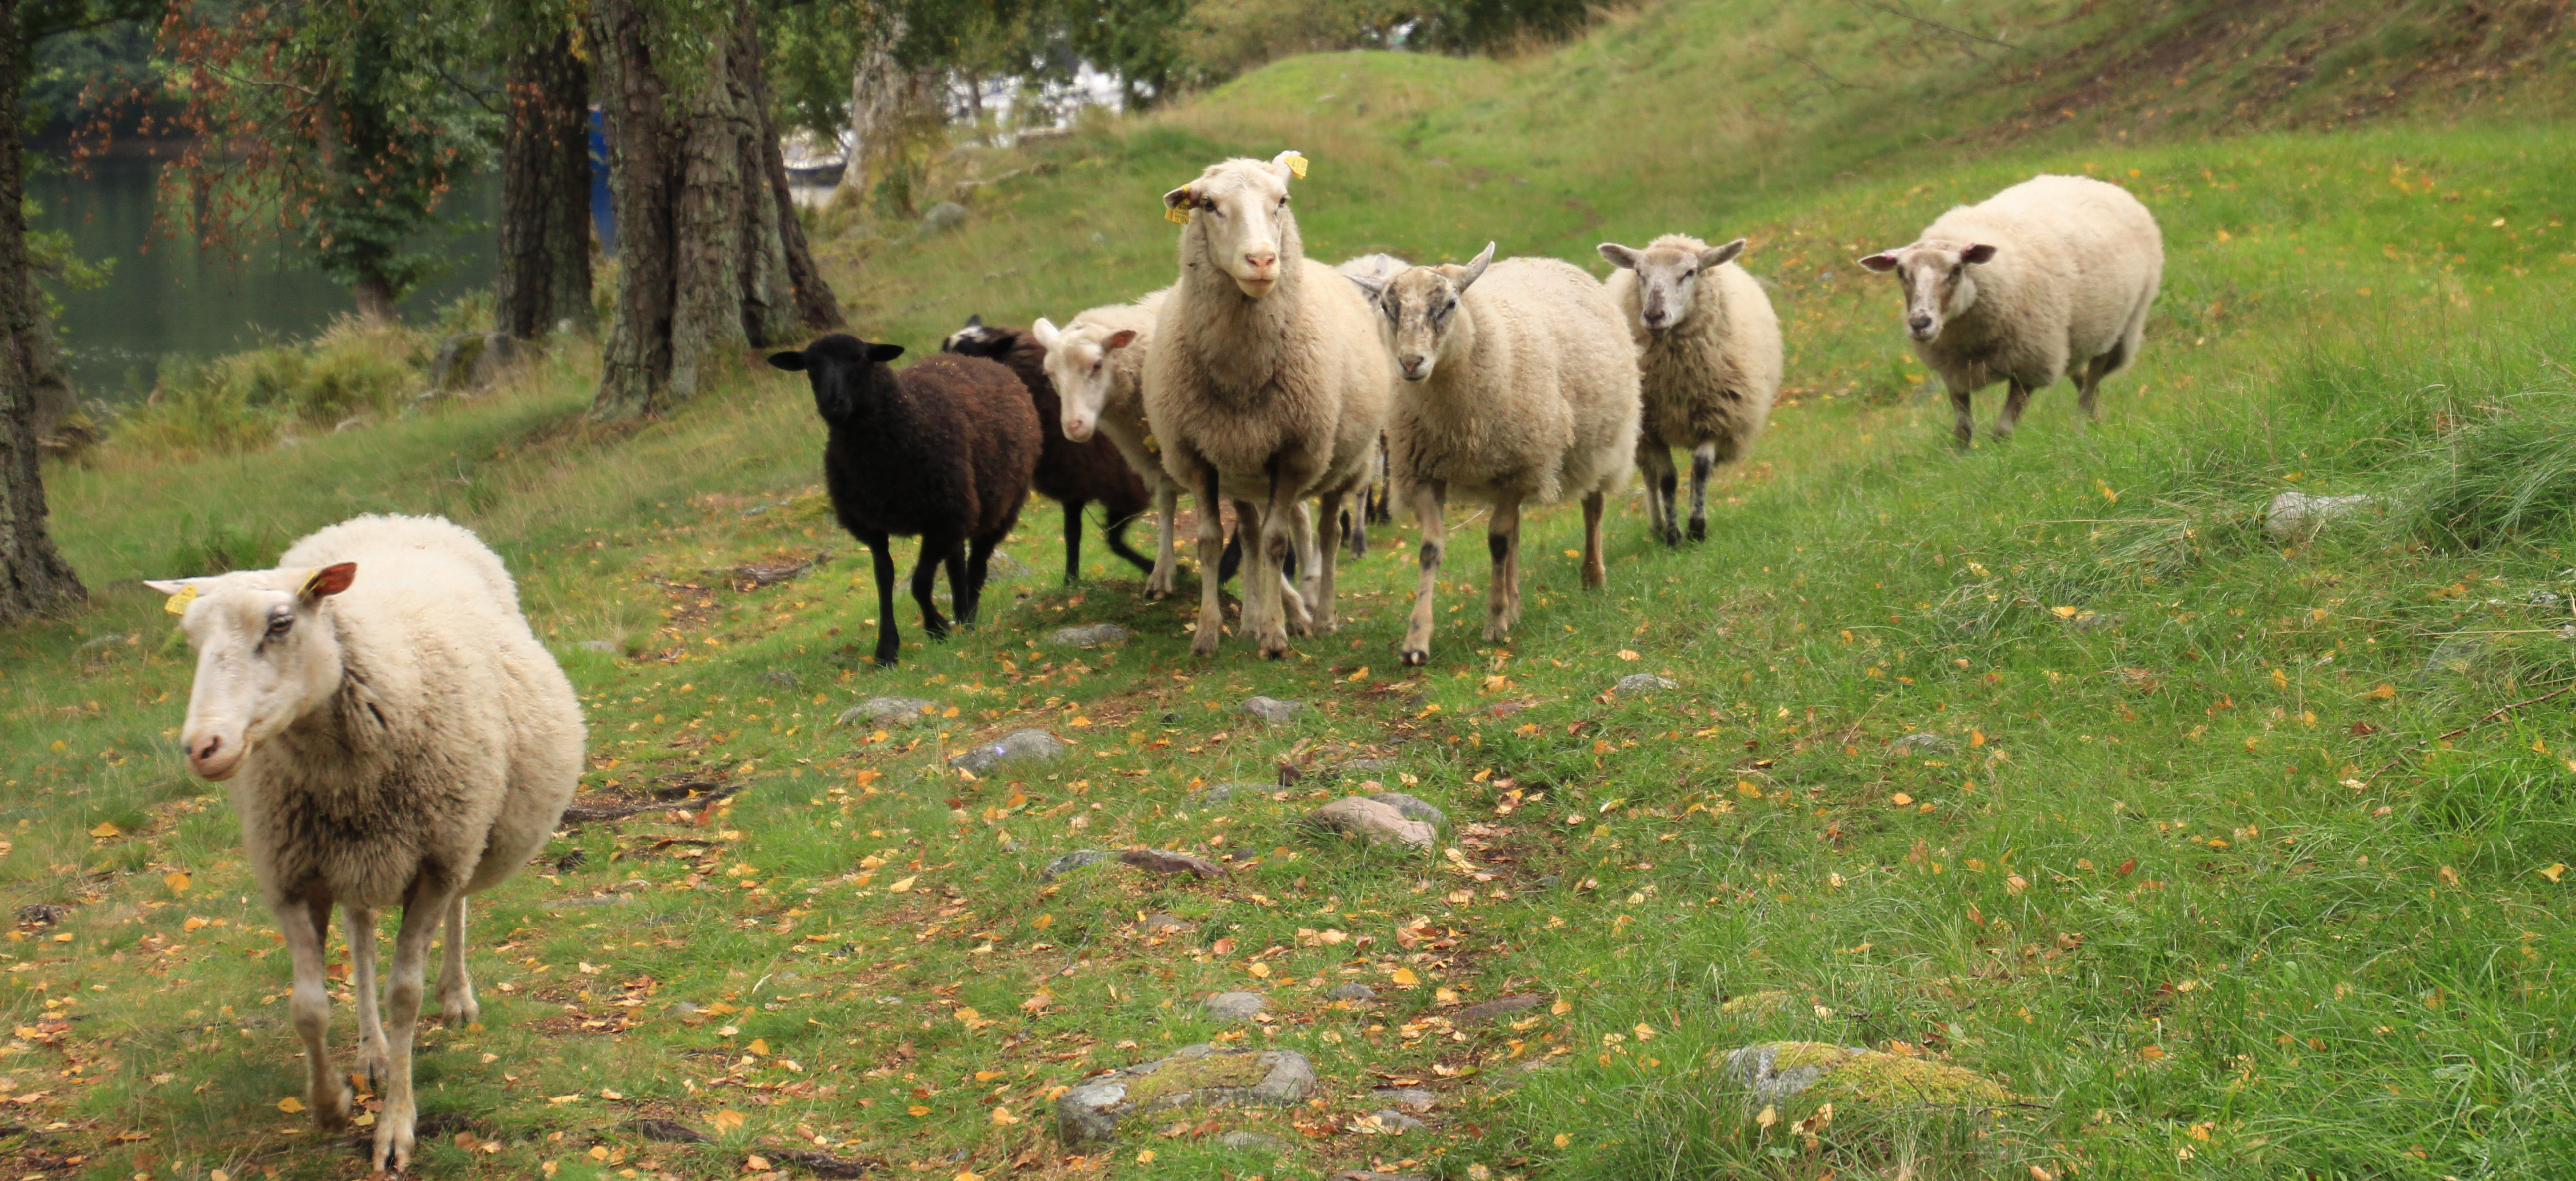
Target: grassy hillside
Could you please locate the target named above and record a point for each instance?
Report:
(2233, 857)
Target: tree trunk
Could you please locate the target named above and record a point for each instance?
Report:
(878, 90)
(545, 193)
(711, 258)
(374, 296)
(33, 575)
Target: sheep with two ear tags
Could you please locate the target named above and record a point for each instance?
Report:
(942, 451)
(1709, 357)
(393, 735)
(2049, 278)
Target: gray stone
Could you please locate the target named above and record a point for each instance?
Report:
(1374, 822)
(1005, 567)
(472, 361)
(2096, 621)
(1073, 861)
(1640, 684)
(891, 711)
(942, 216)
(1412, 808)
(1168, 924)
(1396, 1121)
(1774, 1071)
(603, 900)
(1350, 992)
(2542, 598)
(1501, 1006)
(1920, 740)
(777, 678)
(1194, 1076)
(1273, 712)
(1367, 766)
(1234, 1006)
(1096, 635)
(2295, 515)
(1031, 745)
(1406, 1098)
(605, 646)
(1254, 1142)
(1222, 792)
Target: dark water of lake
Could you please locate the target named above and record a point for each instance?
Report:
(167, 298)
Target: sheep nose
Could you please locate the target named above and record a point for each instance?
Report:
(203, 753)
(1261, 260)
(1919, 322)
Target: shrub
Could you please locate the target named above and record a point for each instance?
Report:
(249, 400)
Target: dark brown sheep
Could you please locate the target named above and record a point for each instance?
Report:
(1073, 474)
(942, 451)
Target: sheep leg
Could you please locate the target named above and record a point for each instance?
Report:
(1167, 504)
(1502, 589)
(305, 923)
(2088, 388)
(979, 566)
(421, 916)
(456, 1005)
(1703, 461)
(1427, 498)
(1963, 424)
(925, 577)
(1211, 557)
(1661, 483)
(1072, 543)
(2016, 396)
(1595, 574)
(889, 642)
(1297, 595)
(1282, 522)
(1328, 548)
(962, 599)
(360, 924)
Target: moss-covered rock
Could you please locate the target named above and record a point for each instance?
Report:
(1756, 1003)
(1195, 1076)
(1852, 1076)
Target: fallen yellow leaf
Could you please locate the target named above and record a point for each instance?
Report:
(290, 1105)
(728, 1119)
(1628, 654)
(760, 1046)
(106, 828)
(1768, 1117)
(1563, 1139)
(903, 886)
(1003, 1116)
(1042, 922)
(1405, 976)
(2552, 872)
(967, 1013)
(178, 882)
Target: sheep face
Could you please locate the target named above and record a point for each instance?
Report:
(839, 366)
(1938, 284)
(265, 657)
(973, 340)
(1418, 313)
(1668, 273)
(1081, 361)
(1239, 221)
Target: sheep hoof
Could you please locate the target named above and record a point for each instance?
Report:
(393, 1142)
(332, 1114)
(374, 1062)
(1414, 657)
(459, 1011)
(1699, 529)
(1203, 642)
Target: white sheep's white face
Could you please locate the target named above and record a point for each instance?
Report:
(1239, 208)
(1418, 311)
(1082, 362)
(265, 657)
(1668, 277)
(1937, 282)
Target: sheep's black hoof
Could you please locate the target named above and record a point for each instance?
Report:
(1698, 529)
(1414, 657)
(886, 657)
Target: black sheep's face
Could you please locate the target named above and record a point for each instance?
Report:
(978, 339)
(838, 366)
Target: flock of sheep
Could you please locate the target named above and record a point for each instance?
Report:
(394, 734)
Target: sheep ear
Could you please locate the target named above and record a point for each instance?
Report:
(326, 582)
(1045, 332)
(1716, 256)
(1120, 339)
(1882, 262)
(791, 362)
(1620, 256)
(1981, 252)
(1476, 267)
(1176, 205)
(882, 353)
(1372, 287)
(1289, 164)
(182, 591)
(975, 321)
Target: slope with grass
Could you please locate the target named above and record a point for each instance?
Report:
(2233, 856)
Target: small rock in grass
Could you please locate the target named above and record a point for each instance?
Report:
(1920, 741)
(2096, 621)
(1222, 792)
(1350, 992)
(2295, 515)
(1367, 766)
(890, 711)
(1168, 924)
(1273, 712)
(1771, 1000)
(1395, 1121)
(1166, 861)
(1851, 1075)
(1073, 861)
(1234, 1006)
(1406, 1098)
(606, 647)
(1253, 1142)
(1478, 1014)
(1004, 566)
(1640, 684)
(1413, 809)
(1194, 1076)
(1097, 635)
(1358, 816)
(1031, 745)
(2542, 598)
(777, 678)
(942, 216)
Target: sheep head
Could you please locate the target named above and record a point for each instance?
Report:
(1079, 360)
(266, 656)
(1418, 311)
(1238, 220)
(1668, 274)
(1936, 279)
(838, 365)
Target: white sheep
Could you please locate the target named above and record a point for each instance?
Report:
(1376, 505)
(1520, 387)
(2064, 270)
(394, 736)
(1264, 385)
(1709, 354)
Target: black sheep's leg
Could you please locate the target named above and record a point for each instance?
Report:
(979, 562)
(961, 596)
(1232, 559)
(925, 575)
(1115, 533)
(889, 641)
(1073, 541)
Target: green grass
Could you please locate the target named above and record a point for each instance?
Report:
(2192, 864)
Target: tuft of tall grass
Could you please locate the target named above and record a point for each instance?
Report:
(2509, 471)
(246, 401)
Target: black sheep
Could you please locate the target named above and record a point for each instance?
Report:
(941, 451)
(1074, 474)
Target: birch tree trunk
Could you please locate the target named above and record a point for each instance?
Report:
(33, 575)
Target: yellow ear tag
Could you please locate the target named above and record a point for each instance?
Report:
(178, 604)
(311, 578)
(1296, 164)
(1178, 215)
